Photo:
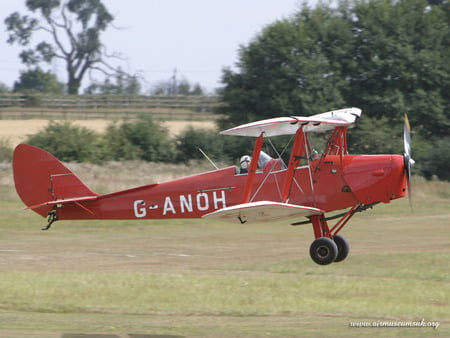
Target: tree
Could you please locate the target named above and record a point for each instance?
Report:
(438, 160)
(401, 52)
(187, 88)
(124, 84)
(171, 87)
(388, 57)
(73, 27)
(36, 80)
(284, 71)
(4, 88)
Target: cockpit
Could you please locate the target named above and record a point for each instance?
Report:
(245, 161)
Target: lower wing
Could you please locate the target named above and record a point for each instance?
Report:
(262, 211)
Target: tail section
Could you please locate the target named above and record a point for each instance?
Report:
(42, 181)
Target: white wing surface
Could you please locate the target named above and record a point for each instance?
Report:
(262, 211)
(289, 125)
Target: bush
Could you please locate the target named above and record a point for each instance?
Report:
(6, 151)
(143, 139)
(217, 147)
(435, 162)
(68, 142)
(191, 139)
(117, 146)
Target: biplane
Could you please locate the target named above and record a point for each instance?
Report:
(305, 190)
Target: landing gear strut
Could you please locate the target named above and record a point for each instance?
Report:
(329, 247)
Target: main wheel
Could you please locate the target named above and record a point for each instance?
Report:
(342, 246)
(323, 251)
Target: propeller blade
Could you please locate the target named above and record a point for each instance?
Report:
(409, 162)
(407, 137)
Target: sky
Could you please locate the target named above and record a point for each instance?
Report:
(198, 38)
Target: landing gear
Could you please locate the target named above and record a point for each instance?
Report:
(323, 251)
(329, 247)
(342, 247)
(52, 218)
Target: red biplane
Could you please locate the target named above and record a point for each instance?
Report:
(308, 186)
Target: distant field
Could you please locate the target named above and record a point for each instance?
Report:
(17, 130)
(199, 279)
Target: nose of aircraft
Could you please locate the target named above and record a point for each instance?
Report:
(375, 178)
(400, 176)
(381, 178)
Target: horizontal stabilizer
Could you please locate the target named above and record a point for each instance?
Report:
(289, 125)
(262, 211)
(63, 201)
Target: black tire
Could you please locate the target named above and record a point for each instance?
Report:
(323, 251)
(342, 246)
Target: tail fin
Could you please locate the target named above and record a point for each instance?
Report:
(41, 179)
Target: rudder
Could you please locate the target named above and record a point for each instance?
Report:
(39, 177)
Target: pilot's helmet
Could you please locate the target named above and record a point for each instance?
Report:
(245, 161)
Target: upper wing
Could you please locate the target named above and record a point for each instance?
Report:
(262, 211)
(289, 125)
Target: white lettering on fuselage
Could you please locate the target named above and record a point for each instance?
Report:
(202, 201)
(139, 208)
(168, 206)
(187, 204)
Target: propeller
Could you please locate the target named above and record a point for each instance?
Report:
(409, 162)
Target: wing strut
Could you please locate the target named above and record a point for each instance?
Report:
(252, 171)
(294, 161)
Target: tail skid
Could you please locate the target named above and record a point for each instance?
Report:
(43, 182)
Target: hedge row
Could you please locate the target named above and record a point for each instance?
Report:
(141, 139)
(147, 140)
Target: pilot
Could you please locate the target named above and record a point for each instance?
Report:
(245, 164)
(314, 155)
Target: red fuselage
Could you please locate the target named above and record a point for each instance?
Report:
(330, 183)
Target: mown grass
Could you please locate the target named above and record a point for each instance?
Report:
(337, 290)
(191, 278)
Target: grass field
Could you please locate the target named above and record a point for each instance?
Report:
(199, 279)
